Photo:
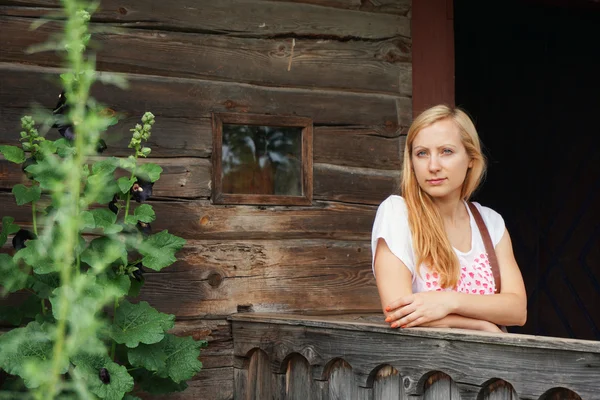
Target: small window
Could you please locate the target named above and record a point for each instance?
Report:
(261, 159)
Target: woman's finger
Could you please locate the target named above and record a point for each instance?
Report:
(401, 302)
(416, 322)
(400, 313)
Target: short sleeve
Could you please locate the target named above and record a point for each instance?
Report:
(494, 222)
(391, 224)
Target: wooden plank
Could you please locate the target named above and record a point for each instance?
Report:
(199, 219)
(259, 385)
(188, 178)
(265, 276)
(217, 332)
(439, 386)
(184, 97)
(354, 185)
(358, 148)
(398, 7)
(181, 177)
(208, 384)
(342, 385)
(380, 67)
(388, 384)
(298, 379)
(531, 370)
(498, 389)
(240, 383)
(249, 18)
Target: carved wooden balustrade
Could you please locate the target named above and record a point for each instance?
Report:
(359, 358)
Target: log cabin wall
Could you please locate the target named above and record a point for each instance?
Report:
(344, 63)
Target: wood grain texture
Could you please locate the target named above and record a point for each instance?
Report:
(247, 18)
(531, 365)
(208, 384)
(184, 98)
(398, 7)
(388, 384)
(379, 67)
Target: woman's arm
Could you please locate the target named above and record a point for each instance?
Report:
(394, 281)
(509, 307)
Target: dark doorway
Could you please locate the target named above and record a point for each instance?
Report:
(529, 74)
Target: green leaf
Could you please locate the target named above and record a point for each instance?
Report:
(145, 213)
(135, 287)
(35, 255)
(106, 219)
(48, 146)
(125, 183)
(49, 172)
(182, 354)
(139, 323)
(102, 251)
(13, 154)
(88, 367)
(24, 194)
(8, 228)
(100, 188)
(45, 284)
(106, 166)
(64, 148)
(152, 383)
(28, 309)
(159, 250)
(149, 356)
(25, 351)
(87, 219)
(12, 278)
(150, 172)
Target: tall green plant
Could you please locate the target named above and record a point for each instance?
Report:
(79, 335)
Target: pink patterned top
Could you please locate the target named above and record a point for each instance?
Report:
(391, 224)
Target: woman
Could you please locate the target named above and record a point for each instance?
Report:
(429, 259)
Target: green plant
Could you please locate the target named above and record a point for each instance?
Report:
(78, 335)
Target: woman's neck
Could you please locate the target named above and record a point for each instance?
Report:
(451, 210)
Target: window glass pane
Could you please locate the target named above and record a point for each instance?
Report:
(262, 160)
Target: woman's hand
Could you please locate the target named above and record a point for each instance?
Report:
(419, 309)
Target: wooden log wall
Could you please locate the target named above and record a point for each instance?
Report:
(344, 63)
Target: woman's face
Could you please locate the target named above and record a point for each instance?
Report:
(440, 160)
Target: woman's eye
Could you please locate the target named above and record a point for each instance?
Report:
(447, 151)
(421, 153)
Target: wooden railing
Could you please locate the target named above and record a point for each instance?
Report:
(361, 358)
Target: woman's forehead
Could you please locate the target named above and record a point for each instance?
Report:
(439, 133)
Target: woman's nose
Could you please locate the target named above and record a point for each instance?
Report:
(434, 164)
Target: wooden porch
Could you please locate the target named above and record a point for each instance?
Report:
(280, 356)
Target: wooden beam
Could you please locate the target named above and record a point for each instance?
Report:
(433, 54)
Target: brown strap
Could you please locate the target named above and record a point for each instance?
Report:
(487, 242)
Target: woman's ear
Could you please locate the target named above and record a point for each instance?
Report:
(471, 163)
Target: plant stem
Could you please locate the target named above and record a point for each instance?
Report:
(33, 217)
(113, 348)
(129, 193)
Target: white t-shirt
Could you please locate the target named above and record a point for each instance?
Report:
(391, 224)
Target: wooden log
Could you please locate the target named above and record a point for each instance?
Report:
(398, 7)
(217, 278)
(184, 97)
(208, 384)
(192, 137)
(259, 384)
(189, 178)
(380, 66)
(249, 18)
(217, 332)
(199, 219)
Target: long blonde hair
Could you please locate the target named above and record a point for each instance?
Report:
(430, 242)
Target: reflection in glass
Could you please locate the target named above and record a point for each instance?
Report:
(262, 160)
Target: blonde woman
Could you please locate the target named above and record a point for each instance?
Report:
(429, 258)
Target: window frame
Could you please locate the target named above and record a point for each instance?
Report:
(218, 197)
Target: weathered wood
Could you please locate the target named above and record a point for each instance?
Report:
(298, 379)
(199, 219)
(259, 385)
(398, 7)
(439, 386)
(185, 97)
(244, 18)
(530, 364)
(380, 67)
(388, 384)
(217, 278)
(217, 332)
(341, 381)
(192, 137)
(208, 384)
(498, 389)
(358, 148)
(354, 185)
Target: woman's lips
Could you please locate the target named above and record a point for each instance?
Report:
(436, 181)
